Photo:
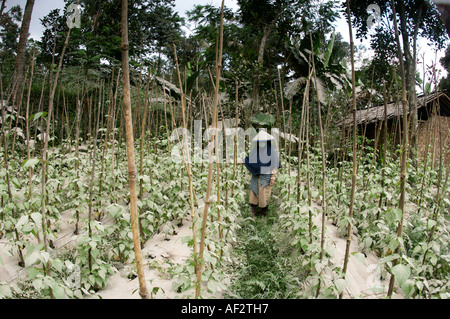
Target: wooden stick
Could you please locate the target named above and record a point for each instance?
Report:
(143, 292)
(354, 170)
(210, 164)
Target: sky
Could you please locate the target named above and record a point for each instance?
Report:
(43, 7)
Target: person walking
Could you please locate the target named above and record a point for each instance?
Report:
(263, 163)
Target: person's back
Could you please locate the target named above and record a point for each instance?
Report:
(263, 163)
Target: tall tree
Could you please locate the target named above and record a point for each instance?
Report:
(22, 46)
(9, 33)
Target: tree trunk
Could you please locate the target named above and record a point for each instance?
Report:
(130, 151)
(22, 46)
(262, 47)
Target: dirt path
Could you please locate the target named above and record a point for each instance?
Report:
(160, 253)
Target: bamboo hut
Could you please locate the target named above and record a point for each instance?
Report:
(433, 113)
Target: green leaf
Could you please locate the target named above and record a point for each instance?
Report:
(38, 115)
(431, 223)
(114, 210)
(36, 217)
(389, 258)
(58, 291)
(428, 87)
(212, 286)
(38, 284)
(408, 288)
(359, 256)
(32, 272)
(186, 240)
(22, 221)
(96, 58)
(329, 50)
(393, 244)
(30, 162)
(263, 119)
(401, 273)
(368, 242)
(58, 264)
(341, 284)
(377, 289)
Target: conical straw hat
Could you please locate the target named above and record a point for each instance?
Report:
(263, 136)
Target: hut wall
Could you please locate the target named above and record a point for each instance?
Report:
(429, 133)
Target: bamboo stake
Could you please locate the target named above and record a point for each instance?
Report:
(210, 164)
(138, 105)
(77, 152)
(301, 138)
(167, 125)
(106, 140)
(91, 186)
(8, 181)
(308, 174)
(404, 148)
(115, 109)
(384, 150)
(27, 114)
(322, 240)
(44, 151)
(141, 143)
(352, 194)
(235, 137)
(187, 161)
(143, 292)
(282, 109)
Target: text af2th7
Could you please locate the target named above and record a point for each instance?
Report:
(231, 308)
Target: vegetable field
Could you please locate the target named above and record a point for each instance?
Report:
(121, 153)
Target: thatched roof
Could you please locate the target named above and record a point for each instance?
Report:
(395, 109)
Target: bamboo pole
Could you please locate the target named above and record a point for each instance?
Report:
(8, 180)
(187, 162)
(115, 111)
(235, 137)
(143, 292)
(404, 148)
(383, 169)
(210, 164)
(91, 185)
(322, 146)
(352, 194)
(44, 151)
(141, 144)
(27, 114)
(301, 138)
